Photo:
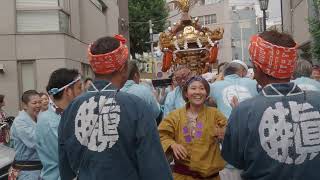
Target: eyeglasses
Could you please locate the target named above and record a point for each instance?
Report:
(55, 91)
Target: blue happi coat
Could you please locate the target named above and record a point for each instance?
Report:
(23, 139)
(107, 134)
(275, 135)
(232, 85)
(174, 100)
(307, 84)
(145, 94)
(47, 143)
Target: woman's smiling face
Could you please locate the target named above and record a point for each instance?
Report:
(196, 93)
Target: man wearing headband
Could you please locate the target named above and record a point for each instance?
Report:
(302, 76)
(63, 86)
(234, 84)
(275, 135)
(106, 133)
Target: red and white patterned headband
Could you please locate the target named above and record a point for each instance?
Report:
(276, 61)
(112, 61)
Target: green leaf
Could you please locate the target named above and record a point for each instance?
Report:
(142, 11)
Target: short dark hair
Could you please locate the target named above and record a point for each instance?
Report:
(27, 94)
(278, 38)
(104, 45)
(232, 68)
(132, 69)
(60, 78)
(303, 69)
(87, 79)
(1, 98)
(193, 79)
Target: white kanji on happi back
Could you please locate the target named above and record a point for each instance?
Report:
(291, 134)
(240, 92)
(98, 132)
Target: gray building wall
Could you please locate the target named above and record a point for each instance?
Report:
(124, 18)
(222, 11)
(296, 14)
(245, 21)
(49, 51)
(295, 19)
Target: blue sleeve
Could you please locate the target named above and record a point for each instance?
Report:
(66, 172)
(169, 103)
(151, 100)
(254, 87)
(232, 150)
(150, 156)
(26, 133)
(47, 146)
(212, 90)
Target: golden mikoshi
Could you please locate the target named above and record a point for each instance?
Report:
(188, 43)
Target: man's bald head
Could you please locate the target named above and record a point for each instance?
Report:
(235, 68)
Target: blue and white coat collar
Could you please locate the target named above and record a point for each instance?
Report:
(102, 86)
(281, 89)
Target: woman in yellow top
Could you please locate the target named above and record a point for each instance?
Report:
(192, 135)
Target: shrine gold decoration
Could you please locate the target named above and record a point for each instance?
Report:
(188, 43)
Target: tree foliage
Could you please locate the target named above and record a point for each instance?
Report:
(315, 32)
(140, 12)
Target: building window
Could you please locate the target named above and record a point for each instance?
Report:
(36, 3)
(100, 5)
(43, 16)
(201, 2)
(65, 5)
(41, 4)
(147, 68)
(208, 19)
(201, 20)
(212, 1)
(236, 56)
(64, 22)
(27, 75)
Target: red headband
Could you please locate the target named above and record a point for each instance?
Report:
(276, 61)
(112, 61)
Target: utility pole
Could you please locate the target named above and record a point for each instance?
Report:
(151, 46)
(241, 25)
(151, 36)
(264, 20)
(241, 39)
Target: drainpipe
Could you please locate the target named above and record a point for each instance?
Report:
(281, 6)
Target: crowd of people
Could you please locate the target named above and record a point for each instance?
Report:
(257, 123)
